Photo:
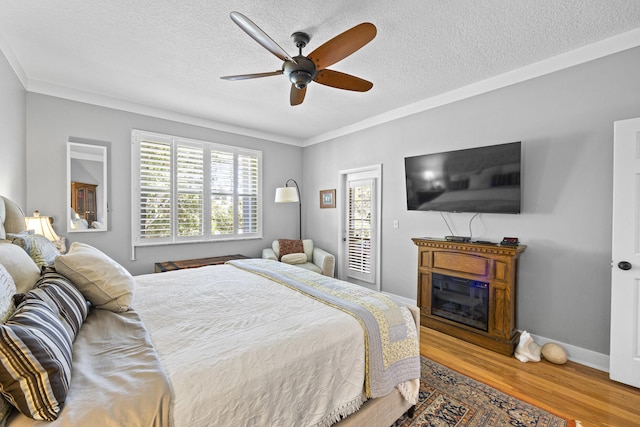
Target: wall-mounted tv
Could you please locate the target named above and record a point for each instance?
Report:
(482, 179)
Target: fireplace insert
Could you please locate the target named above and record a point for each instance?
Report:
(461, 300)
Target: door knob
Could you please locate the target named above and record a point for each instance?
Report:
(624, 265)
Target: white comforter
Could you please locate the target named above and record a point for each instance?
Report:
(241, 350)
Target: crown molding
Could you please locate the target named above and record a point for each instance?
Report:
(45, 88)
(600, 49)
(12, 59)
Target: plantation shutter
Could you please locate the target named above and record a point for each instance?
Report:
(359, 235)
(248, 193)
(188, 190)
(222, 185)
(155, 190)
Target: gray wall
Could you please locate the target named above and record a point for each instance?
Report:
(12, 135)
(53, 121)
(565, 121)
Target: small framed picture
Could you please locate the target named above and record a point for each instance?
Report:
(327, 199)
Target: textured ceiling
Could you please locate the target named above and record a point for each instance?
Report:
(168, 55)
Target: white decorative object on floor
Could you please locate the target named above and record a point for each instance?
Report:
(527, 349)
(554, 353)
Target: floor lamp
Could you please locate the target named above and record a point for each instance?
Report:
(288, 194)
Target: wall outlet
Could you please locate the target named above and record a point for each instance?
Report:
(396, 223)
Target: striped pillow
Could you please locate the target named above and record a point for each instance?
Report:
(7, 289)
(59, 293)
(36, 347)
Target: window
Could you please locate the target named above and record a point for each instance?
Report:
(360, 237)
(191, 191)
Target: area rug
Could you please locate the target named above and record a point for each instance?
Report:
(448, 398)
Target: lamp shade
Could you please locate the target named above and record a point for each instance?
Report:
(287, 195)
(41, 225)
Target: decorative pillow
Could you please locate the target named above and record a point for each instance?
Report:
(36, 368)
(482, 179)
(97, 225)
(79, 224)
(23, 270)
(14, 217)
(60, 294)
(7, 289)
(21, 238)
(5, 410)
(294, 258)
(3, 216)
(104, 282)
(41, 250)
(287, 246)
(36, 353)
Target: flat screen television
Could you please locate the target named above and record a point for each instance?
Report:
(482, 179)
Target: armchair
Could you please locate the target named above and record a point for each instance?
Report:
(317, 259)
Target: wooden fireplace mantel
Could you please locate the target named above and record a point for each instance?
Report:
(495, 264)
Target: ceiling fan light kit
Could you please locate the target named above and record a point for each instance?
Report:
(302, 70)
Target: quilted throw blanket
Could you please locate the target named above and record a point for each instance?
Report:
(392, 354)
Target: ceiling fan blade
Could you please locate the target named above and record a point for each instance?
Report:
(342, 45)
(252, 76)
(342, 81)
(260, 36)
(297, 95)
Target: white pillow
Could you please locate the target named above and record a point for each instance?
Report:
(482, 179)
(3, 216)
(7, 289)
(104, 282)
(79, 224)
(300, 258)
(23, 270)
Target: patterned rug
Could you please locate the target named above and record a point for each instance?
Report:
(448, 398)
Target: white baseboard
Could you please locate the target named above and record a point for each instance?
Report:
(575, 354)
(578, 354)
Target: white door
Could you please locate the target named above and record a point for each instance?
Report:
(360, 228)
(625, 274)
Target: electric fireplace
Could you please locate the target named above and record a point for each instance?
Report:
(461, 300)
(468, 290)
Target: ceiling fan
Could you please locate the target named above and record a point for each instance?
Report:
(301, 70)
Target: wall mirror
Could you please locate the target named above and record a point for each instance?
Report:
(86, 188)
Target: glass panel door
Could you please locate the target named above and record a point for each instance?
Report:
(360, 230)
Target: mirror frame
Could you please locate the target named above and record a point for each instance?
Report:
(94, 153)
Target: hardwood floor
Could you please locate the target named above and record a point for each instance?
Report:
(571, 390)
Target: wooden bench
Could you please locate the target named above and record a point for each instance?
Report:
(160, 267)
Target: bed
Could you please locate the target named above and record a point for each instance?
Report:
(504, 199)
(252, 342)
